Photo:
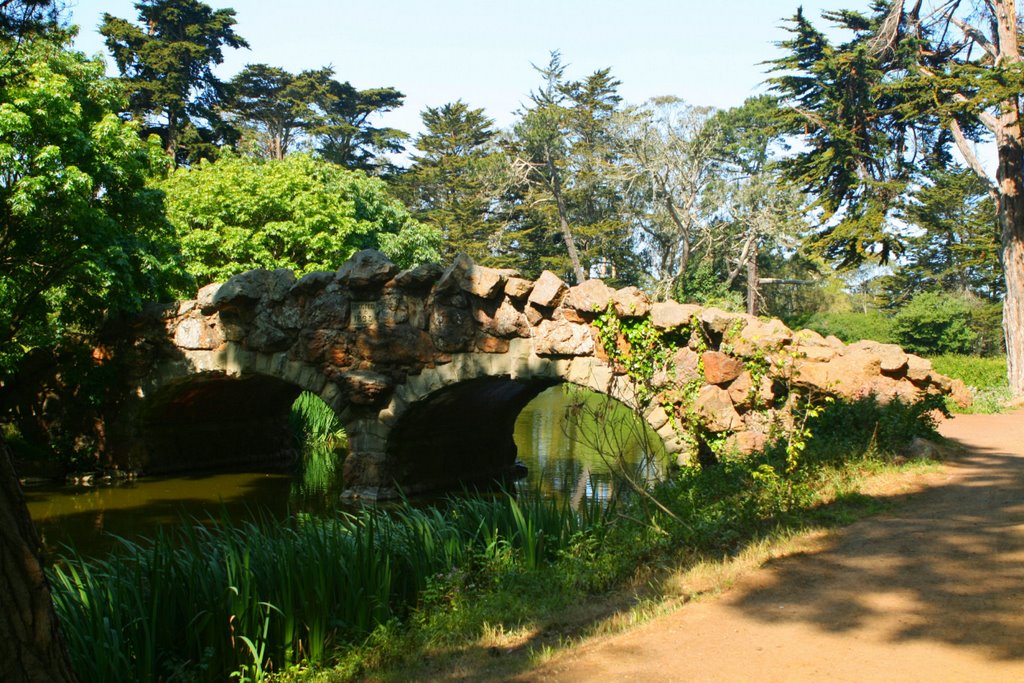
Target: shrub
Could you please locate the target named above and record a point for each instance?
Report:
(975, 371)
(851, 326)
(935, 322)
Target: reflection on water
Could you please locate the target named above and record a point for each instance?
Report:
(575, 442)
(565, 457)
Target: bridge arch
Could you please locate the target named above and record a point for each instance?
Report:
(213, 409)
(454, 422)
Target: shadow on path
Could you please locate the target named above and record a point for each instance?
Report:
(931, 591)
(947, 566)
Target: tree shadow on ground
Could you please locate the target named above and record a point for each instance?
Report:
(948, 567)
(944, 565)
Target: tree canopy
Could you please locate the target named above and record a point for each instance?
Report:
(913, 81)
(167, 64)
(448, 183)
(80, 232)
(303, 213)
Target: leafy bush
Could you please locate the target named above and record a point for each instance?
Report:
(303, 213)
(986, 378)
(975, 371)
(851, 326)
(935, 322)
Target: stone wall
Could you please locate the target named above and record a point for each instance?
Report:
(381, 345)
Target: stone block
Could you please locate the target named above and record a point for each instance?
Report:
(589, 298)
(720, 368)
(716, 410)
(366, 268)
(657, 418)
(562, 338)
(517, 288)
(548, 290)
(669, 315)
(631, 302)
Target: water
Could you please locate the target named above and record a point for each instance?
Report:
(566, 458)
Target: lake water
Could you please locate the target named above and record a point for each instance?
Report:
(566, 458)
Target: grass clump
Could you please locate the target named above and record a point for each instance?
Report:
(206, 602)
(314, 423)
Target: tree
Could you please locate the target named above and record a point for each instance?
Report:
(668, 166)
(303, 213)
(80, 237)
(21, 19)
(911, 83)
(31, 647)
(167, 63)
(758, 211)
(342, 131)
(448, 182)
(956, 248)
(275, 107)
(80, 233)
(560, 152)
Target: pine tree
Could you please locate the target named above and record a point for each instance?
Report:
(167, 63)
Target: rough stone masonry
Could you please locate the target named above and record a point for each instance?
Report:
(427, 369)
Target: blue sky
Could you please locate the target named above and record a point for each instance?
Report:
(704, 51)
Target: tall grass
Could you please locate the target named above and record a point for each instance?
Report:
(208, 601)
(314, 423)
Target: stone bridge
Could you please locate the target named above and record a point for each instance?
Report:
(427, 369)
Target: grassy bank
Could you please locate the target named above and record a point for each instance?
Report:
(985, 376)
(337, 599)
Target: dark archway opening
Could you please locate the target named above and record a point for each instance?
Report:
(460, 435)
(209, 422)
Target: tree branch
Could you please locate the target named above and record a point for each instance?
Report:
(971, 158)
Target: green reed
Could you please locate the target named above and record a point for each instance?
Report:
(314, 423)
(207, 601)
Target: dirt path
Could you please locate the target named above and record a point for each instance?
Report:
(931, 592)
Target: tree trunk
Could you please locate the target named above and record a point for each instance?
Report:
(1010, 182)
(753, 282)
(570, 243)
(31, 647)
(1011, 219)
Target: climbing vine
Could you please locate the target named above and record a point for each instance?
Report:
(638, 348)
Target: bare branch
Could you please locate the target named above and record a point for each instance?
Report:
(976, 36)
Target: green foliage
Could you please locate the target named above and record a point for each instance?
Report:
(561, 152)
(313, 422)
(342, 131)
(851, 326)
(957, 248)
(80, 234)
(934, 322)
(24, 18)
(239, 213)
(986, 378)
(206, 602)
(271, 107)
(702, 284)
(167, 64)
(860, 144)
(646, 352)
(450, 184)
(975, 371)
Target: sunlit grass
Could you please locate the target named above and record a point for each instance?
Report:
(206, 601)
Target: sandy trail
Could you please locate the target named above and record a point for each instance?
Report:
(933, 591)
